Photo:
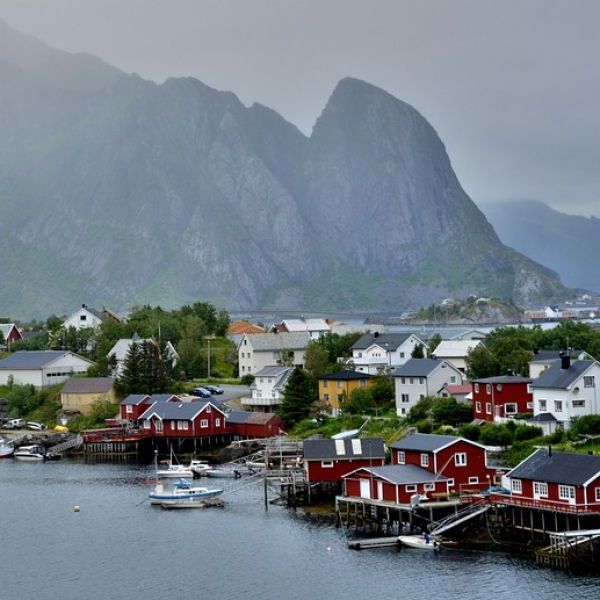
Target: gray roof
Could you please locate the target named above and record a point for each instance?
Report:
(344, 449)
(558, 467)
(348, 375)
(556, 377)
(418, 367)
(135, 399)
(247, 417)
(261, 342)
(172, 411)
(388, 341)
(428, 442)
(552, 355)
(404, 474)
(281, 375)
(544, 417)
(34, 359)
(88, 385)
(505, 379)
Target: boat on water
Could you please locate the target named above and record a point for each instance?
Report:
(191, 503)
(182, 492)
(221, 472)
(421, 542)
(34, 453)
(172, 468)
(7, 448)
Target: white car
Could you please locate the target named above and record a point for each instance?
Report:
(36, 426)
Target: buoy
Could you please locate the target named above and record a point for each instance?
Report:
(76, 509)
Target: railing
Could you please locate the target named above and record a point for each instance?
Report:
(544, 504)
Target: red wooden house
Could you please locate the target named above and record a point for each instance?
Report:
(10, 333)
(499, 398)
(462, 462)
(249, 424)
(133, 406)
(330, 460)
(183, 419)
(556, 481)
(401, 484)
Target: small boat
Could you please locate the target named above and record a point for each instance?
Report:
(7, 449)
(35, 453)
(420, 542)
(222, 472)
(175, 469)
(187, 503)
(182, 490)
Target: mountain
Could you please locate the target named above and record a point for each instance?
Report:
(567, 244)
(115, 191)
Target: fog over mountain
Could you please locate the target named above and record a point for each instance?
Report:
(115, 191)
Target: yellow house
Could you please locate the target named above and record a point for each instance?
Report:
(336, 386)
(80, 393)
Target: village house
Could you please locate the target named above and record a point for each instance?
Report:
(42, 368)
(83, 393)
(267, 389)
(462, 393)
(377, 352)
(259, 350)
(500, 398)
(542, 359)
(456, 351)
(335, 387)
(567, 390)
(464, 463)
(10, 334)
(87, 317)
(121, 349)
(422, 377)
(314, 327)
(556, 481)
(330, 459)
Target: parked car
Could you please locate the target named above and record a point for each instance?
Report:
(201, 392)
(15, 424)
(37, 426)
(213, 389)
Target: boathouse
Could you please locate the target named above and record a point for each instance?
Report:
(251, 425)
(330, 460)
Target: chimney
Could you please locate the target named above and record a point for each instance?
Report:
(565, 361)
(536, 350)
(549, 450)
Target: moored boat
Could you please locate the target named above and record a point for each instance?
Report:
(420, 542)
(7, 449)
(182, 490)
(30, 453)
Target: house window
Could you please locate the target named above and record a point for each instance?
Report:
(460, 459)
(401, 354)
(327, 464)
(402, 458)
(204, 423)
(424, 460)
(488, 408)
(404, 398)
(558, 405)
(243, 356)
(473, 480)
(578, 403)
(488, 389)
(340, 398)
(429, 487)
(540, 489)
(421, 381)
(516, 485)
(217, 422)
(360, 355)
(510, 408)
(597, 490)
(530, 406)
(403, 380)
(411, 380)
(326, 397)
(83, 317)
(566, 492)
(340, 384)
(477, 388)
(478, 407)
(129, 409)
(411, 488)
(325, 383)
(182, 425)
(588, 382)
(362, 383)
(451, 482)
(452, 378)
(208, 408)
(543, 405)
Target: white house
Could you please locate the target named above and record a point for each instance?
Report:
(87, 317)
(456, 351)
(267, 389)
(421, 377)
(375, 352)
(259, 350)
(314, 327)
(121, 349)
(542, 359)
(42, 368)
(566, 390)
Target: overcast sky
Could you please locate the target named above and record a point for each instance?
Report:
(512, 86)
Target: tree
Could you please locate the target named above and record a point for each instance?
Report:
(480, 363)
(447, 411)
(434, 342)
(316, 359)
(418, 351)
(299, 395)
(420, 411)
(496, 435)
(360, 400)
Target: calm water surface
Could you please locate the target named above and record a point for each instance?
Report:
(119, 547)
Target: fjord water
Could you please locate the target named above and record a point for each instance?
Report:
(119, 547)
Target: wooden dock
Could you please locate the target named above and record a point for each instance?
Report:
(368, 543)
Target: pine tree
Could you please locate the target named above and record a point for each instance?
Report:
(298, 396)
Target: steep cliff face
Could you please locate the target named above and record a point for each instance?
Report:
(115, 191)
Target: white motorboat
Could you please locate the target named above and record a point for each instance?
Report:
(420, 542)
(173, 468)
(191, 503)
(30, 453)
(7, 448)
(182, 491)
